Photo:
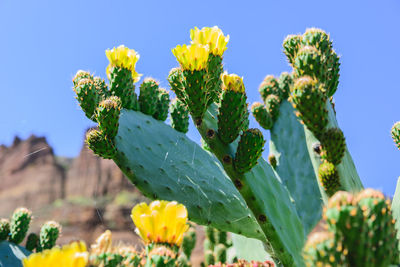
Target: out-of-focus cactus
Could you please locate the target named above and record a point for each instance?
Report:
(396, 134)
(49, 233)
(215, 245)
(243, 263)
(361, 232)
(4, 229)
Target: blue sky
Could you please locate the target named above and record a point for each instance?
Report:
(45, 42)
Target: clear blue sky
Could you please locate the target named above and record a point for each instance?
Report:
(44, 43)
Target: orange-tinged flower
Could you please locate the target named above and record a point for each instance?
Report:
(123, 57)
(72, 255)
(213, 37)
(191, 57)
(160, 222)
(103, 243)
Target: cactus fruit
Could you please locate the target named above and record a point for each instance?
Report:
(176, 81)
(19, 225)
(179, 116)
(49, 234)
(319, 39)
(272, 106)
(162, 105)
(249, 150)
(81, 74)
(269, 86)
(214, 38)
(87, 96)
(148, 97)
(309, 99)
(291, 46)
(107, 115)
(308, 62)
(195, 77)
(232, 112)
(100, 144)
(4, 229)
(32, 242)
(333, 145)
(262, 116)
(285, 83)
(396, 134)
(101, 86)
(329, 177)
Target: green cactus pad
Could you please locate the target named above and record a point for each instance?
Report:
(262, 116)
(332, 68)
(162, 106)
(4, 229)
(249, 150)
(101, 87)
(122, 85)
(285, 83)
(100, 144)
(396, 134)
(49, 234)
(148, 96)
(272, 106)
(308, 62)
(232, 114)
(309, 100)
(269, 86)
(214, 71)
(176, 81)
(32, 242)
(329, 178)
(107, 115)
(196, 91)
(291, 46)
(288, 145)
(319, 39)
(81, 74)
(333, 145)
(88, 97)
(19, 225)
(396, 211)
(179, 116)
(12, 254)
(165, 164)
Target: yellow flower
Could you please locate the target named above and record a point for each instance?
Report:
(123, 57)
(191, 57)
(213, 37)
(160, 222)
(232, 82)
(72, 255)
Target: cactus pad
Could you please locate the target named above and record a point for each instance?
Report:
(333, 145)
(396, 134)
(122, 85)
(329, 177)
(291, 46)
(87, 96)
(262, 116)
(269, 86)
(179, 116)
(162, 105)
(107, 115)
(4, 229)
(19, 225)
(272, 106)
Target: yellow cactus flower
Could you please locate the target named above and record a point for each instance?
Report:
(232, 82)
(191, 57)
(123, 57)
(213, 37)
(160, 222)
(72, 255)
